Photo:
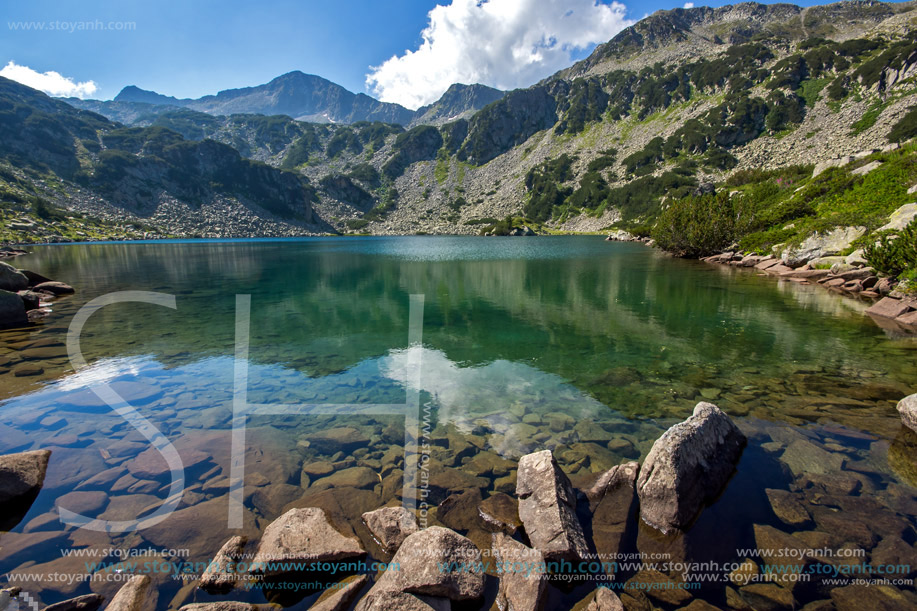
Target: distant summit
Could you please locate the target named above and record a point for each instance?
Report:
(142, 96)
(459, 101)
(305, 97)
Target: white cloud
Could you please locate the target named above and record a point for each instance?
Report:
(501, 43)
(52, 83)
(689, 5)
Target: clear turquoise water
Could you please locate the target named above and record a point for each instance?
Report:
(617, 336)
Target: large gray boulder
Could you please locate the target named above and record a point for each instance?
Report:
(687, 467)
(907, 407)
(86, 602)
(522, 575)
(11, 279)
(22, 474)
(223, 605)
(302, 535)
(220, 575)
(341, 595)
(133, 596)
(435, 562)
(379, 599)
(391, 526)
(822, 244)
(547, 508)
(12, 310)
(900, 218)
(604, 600)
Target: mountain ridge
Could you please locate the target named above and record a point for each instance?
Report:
(652, 115)
(301, 96)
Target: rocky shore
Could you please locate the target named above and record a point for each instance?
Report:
(549, 527)
(850, 276)
(25, 295)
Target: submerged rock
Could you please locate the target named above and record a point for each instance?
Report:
(687, 467)
(875, 597)
(547, 507)
(804, 457)
(55, 288)
(614, 501)
(391, 526)
(788, 508)
(303, 534)
(500, 513)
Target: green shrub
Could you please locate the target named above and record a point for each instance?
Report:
(906, 128)
(366, 174)
(356, 224)
(543, 183)
(696, 226)
(895, 255)
(43, 209)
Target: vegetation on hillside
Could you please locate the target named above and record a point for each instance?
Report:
(895, 254)
(759, 209)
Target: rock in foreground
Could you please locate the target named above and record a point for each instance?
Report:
(391, 526)
(687, 467)
(220, 575)
(133, 596)
(547, 508)
(302, 535)
(907, 407)
(434, 562)
(11, 279)
(522, 575)
(12, 310)
(21, 477)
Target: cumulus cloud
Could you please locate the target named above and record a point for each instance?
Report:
(689, 5)
(52, 83)
(501, 43)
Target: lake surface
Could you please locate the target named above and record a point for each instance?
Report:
(586, 347)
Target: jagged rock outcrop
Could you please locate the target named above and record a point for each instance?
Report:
(521, 572)
(687, 467)
(220, 575)
(133, 596)
(547, 508)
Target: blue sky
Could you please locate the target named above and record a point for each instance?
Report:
(195, 47)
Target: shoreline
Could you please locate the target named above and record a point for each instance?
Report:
(891, 309)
